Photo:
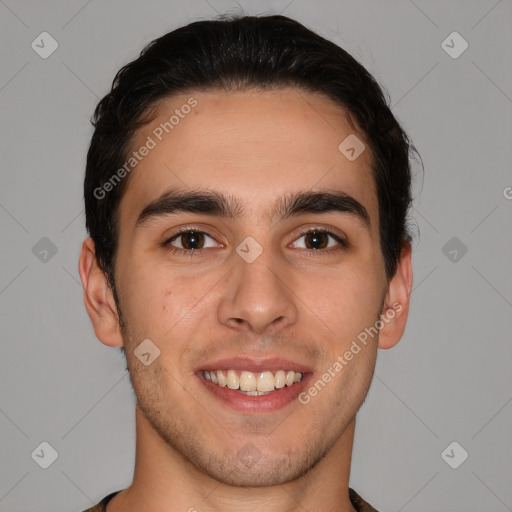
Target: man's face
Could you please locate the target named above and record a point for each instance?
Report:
(210, 301)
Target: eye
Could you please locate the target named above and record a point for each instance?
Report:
(190, 240)
(316, 239)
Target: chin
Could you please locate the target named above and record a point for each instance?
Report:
(261, 477)
(249, 468)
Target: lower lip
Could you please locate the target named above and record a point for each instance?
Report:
(259, 403)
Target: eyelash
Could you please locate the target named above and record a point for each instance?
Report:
(343, 244)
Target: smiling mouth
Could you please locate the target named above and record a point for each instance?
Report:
(253, 384)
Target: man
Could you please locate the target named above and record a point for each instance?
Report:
(247, 191)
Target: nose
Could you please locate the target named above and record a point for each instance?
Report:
(259, 297)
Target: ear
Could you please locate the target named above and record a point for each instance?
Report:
(396, 303)
(98, 297)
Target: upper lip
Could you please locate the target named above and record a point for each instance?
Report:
(255, 365)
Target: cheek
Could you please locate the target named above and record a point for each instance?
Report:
(158, 300)
(350, 298)
(148, 298)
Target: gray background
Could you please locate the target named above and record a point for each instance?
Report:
(449, 379)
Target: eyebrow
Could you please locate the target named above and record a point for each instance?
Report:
(218, 204)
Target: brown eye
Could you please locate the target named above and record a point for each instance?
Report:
(317, 239)
(190, 240)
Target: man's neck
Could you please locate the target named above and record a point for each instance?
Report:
(166, 482)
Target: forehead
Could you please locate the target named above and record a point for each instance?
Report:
(255, 145)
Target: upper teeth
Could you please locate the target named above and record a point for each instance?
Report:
(248, 381)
